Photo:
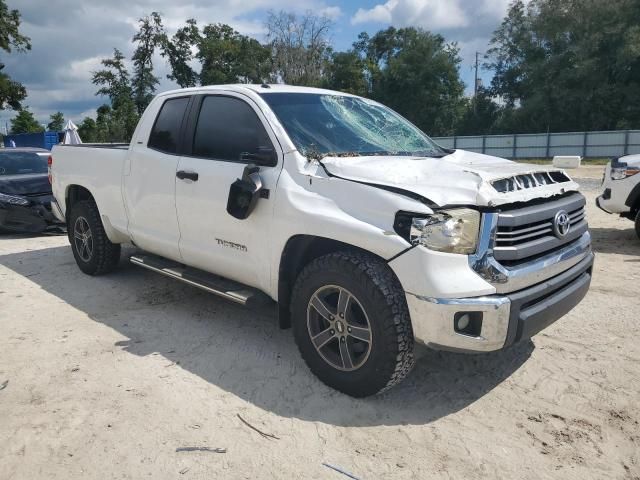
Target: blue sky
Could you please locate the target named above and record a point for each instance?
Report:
(69, 37)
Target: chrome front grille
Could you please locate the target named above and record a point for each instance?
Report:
(512, 236)
(529, 180)
(529, 231)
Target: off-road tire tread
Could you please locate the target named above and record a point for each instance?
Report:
(107, 254)
(375, 275)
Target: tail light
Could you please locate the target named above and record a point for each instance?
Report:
(49, 164)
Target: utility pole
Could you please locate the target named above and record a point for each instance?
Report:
(475, 85)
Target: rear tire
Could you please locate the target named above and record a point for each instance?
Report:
(94, 253)
(637, 223)
(375, 309)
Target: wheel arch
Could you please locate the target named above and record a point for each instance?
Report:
(298, 252)
(74, 194)
(633, 200)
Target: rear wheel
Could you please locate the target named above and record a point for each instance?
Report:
(94, 253)
(351, 323)
(637, 223)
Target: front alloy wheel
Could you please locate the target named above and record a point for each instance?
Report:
(339, 328)
(351, 323)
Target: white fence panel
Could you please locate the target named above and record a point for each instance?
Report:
(547, 145)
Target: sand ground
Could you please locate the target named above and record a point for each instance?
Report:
(107, 377)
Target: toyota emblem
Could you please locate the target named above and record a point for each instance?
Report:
(561, 224)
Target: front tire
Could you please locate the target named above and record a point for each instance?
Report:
(637, 223)
(351, 323)
(94, 253)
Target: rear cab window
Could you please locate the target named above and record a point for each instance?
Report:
(165, 134)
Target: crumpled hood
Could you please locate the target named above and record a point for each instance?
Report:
(462, 178)
(25, 184)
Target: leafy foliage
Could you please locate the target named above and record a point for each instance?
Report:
(178, 51)
(116, 122)
(25, 122)
(57, 122)
(563, 65)
(416, 73)
(229, 57)
(88, 131)
(12, 93)
(346, 72)
(149, 37)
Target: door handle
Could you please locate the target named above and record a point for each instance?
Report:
(182, 175)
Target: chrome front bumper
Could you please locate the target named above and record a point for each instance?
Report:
(506, 319)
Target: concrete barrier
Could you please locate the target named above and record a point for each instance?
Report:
(567, 161)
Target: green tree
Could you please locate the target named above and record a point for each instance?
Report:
(25, 122)
(57, 122)
(88, 131)
(229, 57)
(12, 93)
(568, 65)
(119, 120)
(346, 72)
(150, 36)
(481, 115)
(179, 53)
(416, 73)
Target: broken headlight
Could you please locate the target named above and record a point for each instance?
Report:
(451, 231)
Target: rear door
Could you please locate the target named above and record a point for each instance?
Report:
(224, 126)
(150, 185)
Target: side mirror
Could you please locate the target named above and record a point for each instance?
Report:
(244, 193)
(264, 156)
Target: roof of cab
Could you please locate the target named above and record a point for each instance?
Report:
(257, 88)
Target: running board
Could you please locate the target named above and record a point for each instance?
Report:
(228, 289)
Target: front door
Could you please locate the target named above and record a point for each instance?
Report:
(226, 127)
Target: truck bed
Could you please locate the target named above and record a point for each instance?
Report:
(98, 168)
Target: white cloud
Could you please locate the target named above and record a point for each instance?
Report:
(429, 14)
(333, 12)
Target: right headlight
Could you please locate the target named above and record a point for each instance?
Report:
(452, 231)
(13, 200)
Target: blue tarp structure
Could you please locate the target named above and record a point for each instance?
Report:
(39, 140)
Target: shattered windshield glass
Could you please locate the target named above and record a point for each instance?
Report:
(323, 125)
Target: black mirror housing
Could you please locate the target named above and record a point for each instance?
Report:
(244, 193)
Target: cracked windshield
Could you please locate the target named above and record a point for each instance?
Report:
(335, 125)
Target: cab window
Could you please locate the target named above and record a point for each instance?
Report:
(166, 131)
(228, 129)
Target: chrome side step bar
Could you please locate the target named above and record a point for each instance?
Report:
(222, 287)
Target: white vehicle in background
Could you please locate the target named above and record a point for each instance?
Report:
(621, 192)
(367, 234)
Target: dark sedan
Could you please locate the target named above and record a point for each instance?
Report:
(25, 191)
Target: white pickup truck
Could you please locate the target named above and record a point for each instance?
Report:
(621, 189)
(367, 234)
